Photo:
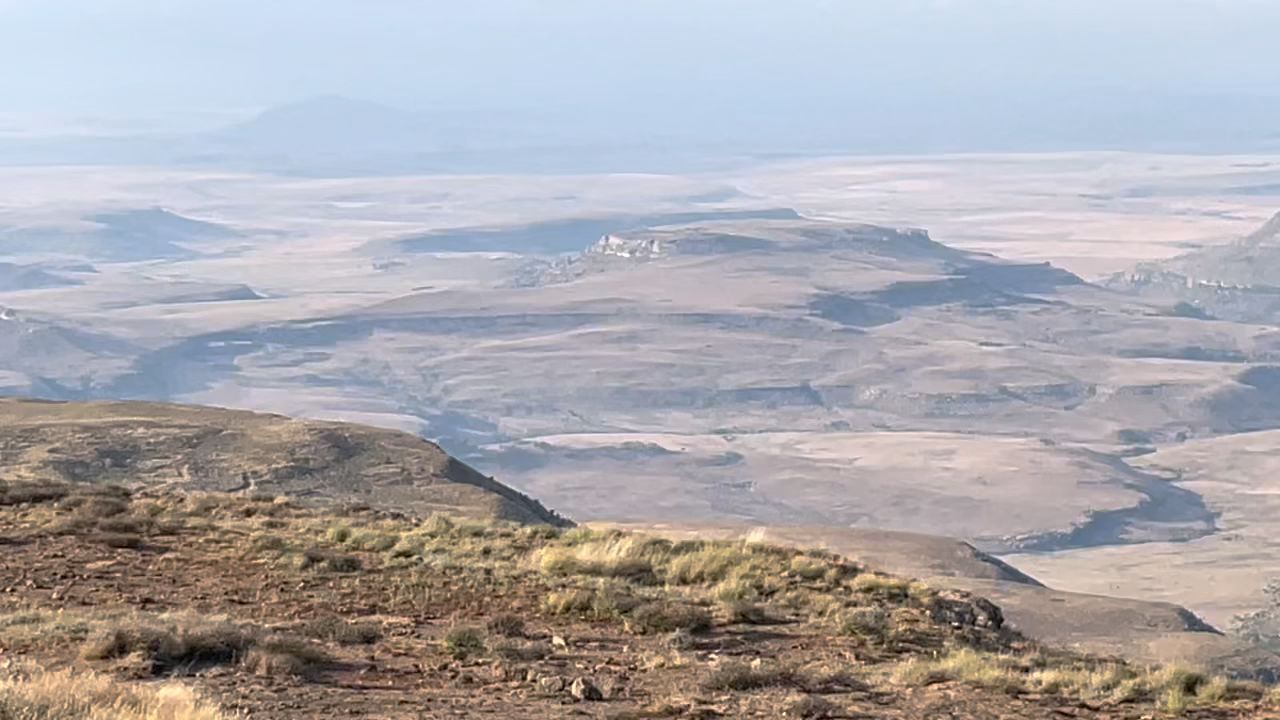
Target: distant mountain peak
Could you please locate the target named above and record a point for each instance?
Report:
(1269, 233)
(328, 119)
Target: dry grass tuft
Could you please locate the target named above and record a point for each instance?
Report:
(31, 493)
(285, 657)
(462, 642)
(343, 631)
(620, 557)
(166, 647)
(607, 601)
(740, 676)
(506, 625)
(87, 696)
(521, 650)
(893, 589)
(966, 665)
(665, 617)
(1173, 689)
(872, 624)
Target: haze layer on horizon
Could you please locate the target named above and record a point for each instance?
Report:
(875, 75)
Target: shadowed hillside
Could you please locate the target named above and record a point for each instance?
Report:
(208, 449)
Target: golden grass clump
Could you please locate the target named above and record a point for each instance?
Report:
(964, 665)
(620, 556)
(708, 564)
(606, 601)
(1173, 689)
(65, 695)
(884, 587)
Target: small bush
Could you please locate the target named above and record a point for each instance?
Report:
(706, 565)
(343, 631)
(463, 642)
(736, 589)
(619, 558)
(438, 525)
(506, 625)
(285, 657)
(101, 504)
(339, 534)
(1174, 701)
(517, 650)
(1181, 679)
(606, 602)
(372, 541)
(884, 587)
(871, 624)
(665, 617)
(741, 676)
(28, 493)
(809, 568)
(409, 546)
(569, 602)
(168, 647)
(968, 666)
(269, 543)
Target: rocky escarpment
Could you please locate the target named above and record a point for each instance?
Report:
(1237, 281)
(620, 250)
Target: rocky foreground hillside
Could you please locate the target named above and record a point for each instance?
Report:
(195, 564)
(156, 603)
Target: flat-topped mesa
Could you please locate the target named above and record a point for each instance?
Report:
(807, 236)
(651, 245)
(804, 243)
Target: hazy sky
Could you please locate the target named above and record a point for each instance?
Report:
(759, 74)
(114, 55)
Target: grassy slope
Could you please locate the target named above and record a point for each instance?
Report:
(280, 610)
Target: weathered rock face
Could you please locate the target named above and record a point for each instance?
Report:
(584, 690)
(614, 246)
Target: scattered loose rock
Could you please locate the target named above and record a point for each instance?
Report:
(551, 683)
